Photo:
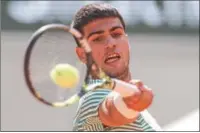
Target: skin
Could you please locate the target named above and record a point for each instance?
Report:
(107, 36)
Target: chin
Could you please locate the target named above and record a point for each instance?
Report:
(116, 73)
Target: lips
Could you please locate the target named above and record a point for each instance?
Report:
(112, 57)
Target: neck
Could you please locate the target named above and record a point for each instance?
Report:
(126, 76)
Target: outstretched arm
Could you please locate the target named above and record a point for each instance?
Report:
(106, 108)
(124, 104)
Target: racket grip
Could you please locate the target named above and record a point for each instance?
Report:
(125, 89)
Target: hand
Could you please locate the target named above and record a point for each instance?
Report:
(141, 100)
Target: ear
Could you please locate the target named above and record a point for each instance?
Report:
(81, 54)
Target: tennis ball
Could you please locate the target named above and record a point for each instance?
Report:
(65, 76)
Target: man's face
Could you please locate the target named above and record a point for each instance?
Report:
(109, 43)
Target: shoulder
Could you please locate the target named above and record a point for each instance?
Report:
(90, 101)
(87, 112)
(96, 94)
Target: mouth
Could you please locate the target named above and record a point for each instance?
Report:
(112, 58)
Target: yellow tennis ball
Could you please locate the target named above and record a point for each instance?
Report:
(65, 76)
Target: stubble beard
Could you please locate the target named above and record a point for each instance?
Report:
(121, 75)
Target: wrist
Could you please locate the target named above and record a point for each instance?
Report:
(124, 89)
(136, 97)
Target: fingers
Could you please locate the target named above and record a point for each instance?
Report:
(140, 101)
(131, 100)
(140, 85)
(144, 101)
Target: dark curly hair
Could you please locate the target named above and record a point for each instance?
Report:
(92, 12)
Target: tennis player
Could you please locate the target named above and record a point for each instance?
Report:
(103, 109)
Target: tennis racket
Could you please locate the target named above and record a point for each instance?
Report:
(50, 45)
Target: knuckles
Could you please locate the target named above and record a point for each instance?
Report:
(140, 101)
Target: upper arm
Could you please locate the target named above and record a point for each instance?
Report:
(87, 118)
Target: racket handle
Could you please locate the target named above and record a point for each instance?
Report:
(125, 89)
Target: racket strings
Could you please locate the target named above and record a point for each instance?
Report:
(52, 48)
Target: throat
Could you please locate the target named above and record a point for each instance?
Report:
(126, 76)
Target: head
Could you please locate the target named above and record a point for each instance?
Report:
(104, 28)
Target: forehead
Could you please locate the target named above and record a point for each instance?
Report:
(101, 24)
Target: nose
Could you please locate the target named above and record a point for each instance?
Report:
(111, 43)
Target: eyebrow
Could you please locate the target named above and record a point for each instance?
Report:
(96, 32)
(115, 27)
(101, 31)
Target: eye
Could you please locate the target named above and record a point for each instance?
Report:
(116, 35)
(97, 39)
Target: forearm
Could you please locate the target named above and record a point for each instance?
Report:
(113, 111)
(123, 105)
